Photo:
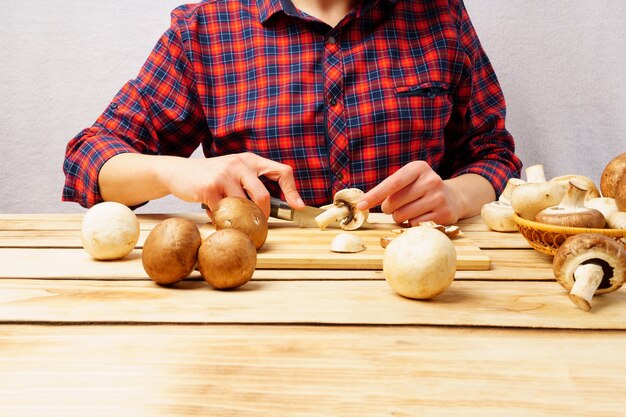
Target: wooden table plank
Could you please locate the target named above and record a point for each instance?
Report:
(314, 371)
(465, 303)
(290, 248)
(76, 264)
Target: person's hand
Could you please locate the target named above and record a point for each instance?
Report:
(209, 180)
(414, 193)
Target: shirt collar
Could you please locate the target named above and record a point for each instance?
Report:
(268, 8)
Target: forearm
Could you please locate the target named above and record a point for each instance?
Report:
(132, 179)
(471, 192)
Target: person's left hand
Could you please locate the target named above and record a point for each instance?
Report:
(415, 193)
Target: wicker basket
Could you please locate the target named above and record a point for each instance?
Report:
(546, 238)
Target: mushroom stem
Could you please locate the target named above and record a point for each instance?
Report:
(587, 280)
(511, 185)
(574, 196)
(335, 213)
(535, 173)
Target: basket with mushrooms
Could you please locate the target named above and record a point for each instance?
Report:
(548, 212)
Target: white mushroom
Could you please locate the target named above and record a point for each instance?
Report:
(347, 243)
(529, 199)
(605, 205)
(616, 220)
(344, 211)
(498, 215)
(592, 190)
(109, 231)
(420, 263)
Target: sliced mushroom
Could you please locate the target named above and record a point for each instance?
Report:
(449, 231)
(344, 211)
(347, 243)
(571, 211)
(589, 264)
(529, 199)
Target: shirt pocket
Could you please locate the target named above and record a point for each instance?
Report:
(430, 89)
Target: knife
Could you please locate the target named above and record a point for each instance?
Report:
(302, 218)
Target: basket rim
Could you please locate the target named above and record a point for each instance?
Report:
(566, 230)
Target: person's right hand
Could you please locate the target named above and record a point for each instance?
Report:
(209, 180)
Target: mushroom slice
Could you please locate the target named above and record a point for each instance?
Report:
(347, 243)
(588, 264)
(571, 211)
(344, 211)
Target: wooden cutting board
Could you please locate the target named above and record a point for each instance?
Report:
(294, 248)
(287, 246)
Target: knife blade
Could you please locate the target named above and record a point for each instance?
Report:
(302, 218)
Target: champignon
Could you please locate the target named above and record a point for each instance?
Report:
(420, 263)
(611, 175)
(616, 220)
(347, 243)
(592, 190)
(344, 211)
(243, 215)
(227, 259)
(498, 215)
(529, 199)
(605, 205)
(109, 231)
(571, 211)
(588, 264)
(170, 251)
(620, 194)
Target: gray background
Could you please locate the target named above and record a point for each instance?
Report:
(561, 64)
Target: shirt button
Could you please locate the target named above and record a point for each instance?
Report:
(332, 40)
(339, 176)
(113, 106)
(333, 102)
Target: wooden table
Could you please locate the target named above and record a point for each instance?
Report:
(86, 338)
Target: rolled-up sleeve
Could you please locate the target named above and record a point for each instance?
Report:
(157, 113)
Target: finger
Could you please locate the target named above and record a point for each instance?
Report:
(412, 210)
(426, 217)
(396, 181)
(408, 194)
(282, 173)
(257, 192)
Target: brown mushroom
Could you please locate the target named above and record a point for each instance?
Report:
(243, 215)
(227, 259)
(571, 211)
(620, 194)
(170, 251)
(611, 175)
(588, 264)
(344, 211)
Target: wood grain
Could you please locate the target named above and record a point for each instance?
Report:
(465, 303)
(150, 371)
(76, 264)
(286, 247)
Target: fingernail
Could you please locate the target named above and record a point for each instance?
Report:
(300, 201)
(361, 205)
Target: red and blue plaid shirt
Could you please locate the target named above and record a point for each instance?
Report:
(395, 81)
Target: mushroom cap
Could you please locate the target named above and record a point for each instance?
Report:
(557, 216)
(347, 243)
(586, 182)
(170, 251)
(616, 220)
(529, 199)
(349, 197)
(511, 185)
(605, 205)
(109, 231)
(227, 259)
(591, 248)
(611, 175)
(420, 263)
(498, 216)
(244, 215)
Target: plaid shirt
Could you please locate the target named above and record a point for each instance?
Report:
(395, 81)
